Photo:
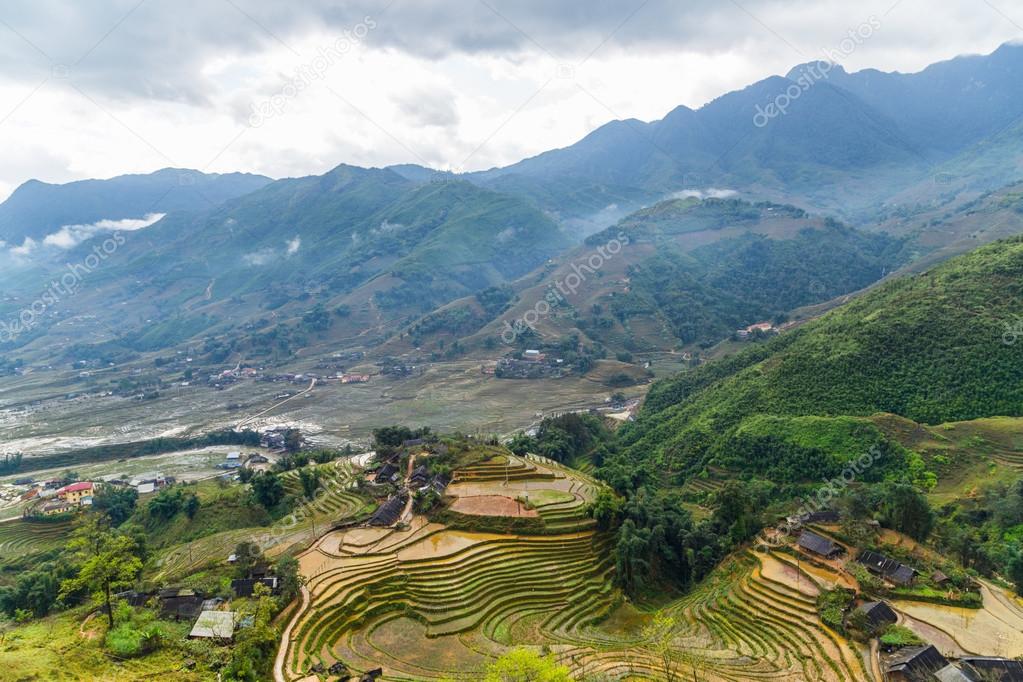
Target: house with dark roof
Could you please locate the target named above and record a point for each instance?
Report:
(887, 568)
(439, 483)
(822, 516)
(389, 512)
(878, 614)
(387, 474)
(939, 578)
(992, 669)
(818, 544)
(914, 664)
(246, 587)
(180, 603)
(420, 476)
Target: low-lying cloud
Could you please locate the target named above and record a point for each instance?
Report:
(709, 193)
(269, 255)
(70, 236)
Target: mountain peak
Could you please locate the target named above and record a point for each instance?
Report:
(816, 70)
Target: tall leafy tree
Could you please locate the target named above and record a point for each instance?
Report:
(107, 561)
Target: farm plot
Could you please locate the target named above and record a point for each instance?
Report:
(20, 538)
(515, 486)
(429, 602)
(334, 502)
(445, 604)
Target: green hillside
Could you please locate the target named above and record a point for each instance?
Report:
(934, 347)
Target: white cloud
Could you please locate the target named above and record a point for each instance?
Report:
(72, 235)
(709, 193)
(437, 82)
(269, 255)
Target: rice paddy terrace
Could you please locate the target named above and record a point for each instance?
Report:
(429, 602)
(335, 501)
(20, 538)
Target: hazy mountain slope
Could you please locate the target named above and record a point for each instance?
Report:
(689, 272)
(844, 144)
(37, 209)
(934, 347)
(366, 244)
(949, 105)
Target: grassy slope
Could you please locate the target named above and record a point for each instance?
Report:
(928, 347)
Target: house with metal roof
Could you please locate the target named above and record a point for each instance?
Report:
(887, 568)
(878, 614)
(213, 625)
(992, 669)
(914, 664)
(818, 544)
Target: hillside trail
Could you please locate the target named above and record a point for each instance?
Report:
(282, 648)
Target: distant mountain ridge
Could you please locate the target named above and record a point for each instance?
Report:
(37, 209)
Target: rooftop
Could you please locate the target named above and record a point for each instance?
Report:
(214, 624)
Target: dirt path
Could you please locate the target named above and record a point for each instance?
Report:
(274, 407)
(282, 649)
(406, 513)
(874, 664)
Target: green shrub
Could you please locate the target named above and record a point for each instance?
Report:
(899, 636)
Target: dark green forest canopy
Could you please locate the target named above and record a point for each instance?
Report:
(935, 347)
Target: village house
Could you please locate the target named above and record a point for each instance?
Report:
(889, 569)
(213, 625)
(913, 663)
(818, 544)
(878, 614)
(246, 587)
(77, 493)
(978, 668)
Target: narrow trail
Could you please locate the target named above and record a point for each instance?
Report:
(282, 648)
(275, 406)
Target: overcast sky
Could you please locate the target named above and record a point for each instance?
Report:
(292, 88)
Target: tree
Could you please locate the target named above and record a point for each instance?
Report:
(293, 440)
(268, 489)
(255, 645)
(1016, 571)
(524, 665)
(290, 580)
(660, 636)
(107, 562)
(310, 480)
(117, 503)
(191, 505)
(906, 510)
(247, 555)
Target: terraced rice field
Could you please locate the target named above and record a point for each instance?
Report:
(559, 494)
(333, 503)
(429, 602)
(20, 538)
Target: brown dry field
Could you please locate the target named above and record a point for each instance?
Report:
(491, 505)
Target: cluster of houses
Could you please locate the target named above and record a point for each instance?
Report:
(916, 663)
(760, 328)
(51, 498)
(532, 365)
(419, 481)
(912, 663)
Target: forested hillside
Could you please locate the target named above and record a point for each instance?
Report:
(935, 347)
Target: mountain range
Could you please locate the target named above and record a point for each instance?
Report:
(726, 209)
